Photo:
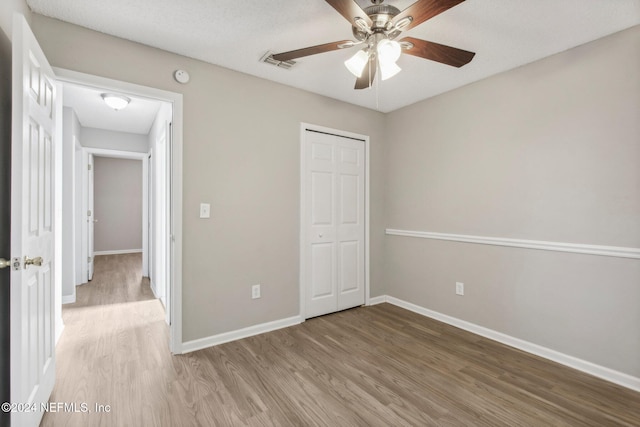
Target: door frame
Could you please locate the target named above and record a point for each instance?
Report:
(118, 154)
(304, 211)
(174, 241)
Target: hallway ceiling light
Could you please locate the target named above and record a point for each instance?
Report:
(117, 102)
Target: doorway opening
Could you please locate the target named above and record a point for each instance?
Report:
(109, 159)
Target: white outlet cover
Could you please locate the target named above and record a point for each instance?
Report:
(205, 210)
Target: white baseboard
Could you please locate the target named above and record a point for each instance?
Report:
(118, 252)
(250, 331)
(605, 373)
(153, 289)
(68, 299)
(377, 300)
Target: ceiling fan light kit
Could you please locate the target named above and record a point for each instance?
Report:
(388, 70)
(377, 27)
(357, 62)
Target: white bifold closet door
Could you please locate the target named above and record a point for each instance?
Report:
(333, 223)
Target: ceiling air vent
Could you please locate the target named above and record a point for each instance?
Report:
(267, 58)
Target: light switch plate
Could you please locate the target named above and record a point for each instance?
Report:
(205, 210)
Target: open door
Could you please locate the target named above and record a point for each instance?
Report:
(32, 249)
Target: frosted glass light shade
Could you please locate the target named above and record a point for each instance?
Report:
(117, 102)
(388, 70)
(356, 63)
(388, 51)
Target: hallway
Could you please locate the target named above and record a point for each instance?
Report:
(114, 341)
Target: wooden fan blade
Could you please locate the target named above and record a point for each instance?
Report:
(438, 52)
(422, 10)
(350, 10)
(299, 53)
(369, 73)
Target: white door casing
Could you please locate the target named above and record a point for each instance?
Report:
(32, 214)
(91, 217)
(174, 265)
(333, 223)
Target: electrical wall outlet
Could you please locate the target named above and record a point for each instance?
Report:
(459, 288)
(255, 291)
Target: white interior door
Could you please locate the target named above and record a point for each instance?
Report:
(91, 218)
(32, 293)
(333, 223)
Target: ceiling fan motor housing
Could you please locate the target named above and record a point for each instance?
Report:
(381, 15)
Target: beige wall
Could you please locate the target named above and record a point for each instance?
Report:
(7, 9)
(117, 204)
(549, 151)
(241, 154)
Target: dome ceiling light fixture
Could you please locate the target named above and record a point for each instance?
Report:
(117, 102)
(376, 28)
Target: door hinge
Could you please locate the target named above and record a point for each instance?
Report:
(88, 259)
(89, 167)
(89, 213)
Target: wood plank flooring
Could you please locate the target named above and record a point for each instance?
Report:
(370, 366)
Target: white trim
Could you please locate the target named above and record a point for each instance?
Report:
(176, 99)
(599, 371)
(578, 248)
(68, 299)
(250, 331)
(303, 212)
(152, 285)
(367, 228)
(118, 252)
(377, 300)
(59, 330)
(145, 216)
(117, 154)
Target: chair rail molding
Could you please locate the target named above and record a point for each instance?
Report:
(578, 248)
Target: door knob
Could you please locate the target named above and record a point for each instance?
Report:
(5, 263)
(37, 261)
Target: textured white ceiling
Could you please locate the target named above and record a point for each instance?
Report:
(92, 112)
(236, 34)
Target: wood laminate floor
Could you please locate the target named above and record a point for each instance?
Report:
(370, 366)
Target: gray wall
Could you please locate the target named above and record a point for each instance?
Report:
(241, 154)
(112, 140)
(548, 151)
(117, 204)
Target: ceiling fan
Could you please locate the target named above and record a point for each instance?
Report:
(375, 29)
